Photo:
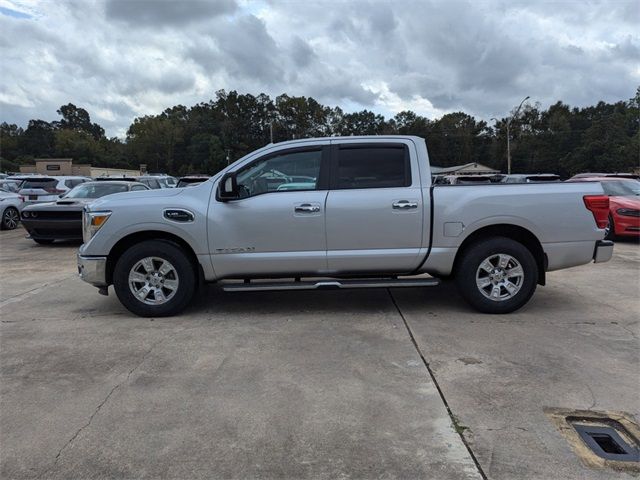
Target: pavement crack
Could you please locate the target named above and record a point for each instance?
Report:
(99, 407)
(19, 296)
(593, 397)
(452, 418)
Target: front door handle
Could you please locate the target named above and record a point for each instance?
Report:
(404, 205)
(307, 208)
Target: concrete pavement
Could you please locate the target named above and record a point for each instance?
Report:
(305, 384)
(250, 385)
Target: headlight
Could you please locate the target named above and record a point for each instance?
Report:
(92, 222)
(629, 212)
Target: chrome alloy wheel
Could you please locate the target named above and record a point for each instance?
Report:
(499, 277)
(153, 280)
(11, 218)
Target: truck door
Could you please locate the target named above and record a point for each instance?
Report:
(278, 227)
(375, 208)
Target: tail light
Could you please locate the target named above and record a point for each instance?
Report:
(599, 206)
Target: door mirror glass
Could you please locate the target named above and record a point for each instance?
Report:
(228, 187)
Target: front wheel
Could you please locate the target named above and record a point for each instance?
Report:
(497, 275)
(154, 278)
(10, 218)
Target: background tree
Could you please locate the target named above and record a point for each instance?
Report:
(204, 137)
(78, 119)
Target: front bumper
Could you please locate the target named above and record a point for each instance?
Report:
(54, 229)
(603, 251)
(93, 270)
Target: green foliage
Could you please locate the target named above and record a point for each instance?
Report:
(205, 137)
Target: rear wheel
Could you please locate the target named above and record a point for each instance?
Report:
(497, 275)
(10, 218)
(154, 278)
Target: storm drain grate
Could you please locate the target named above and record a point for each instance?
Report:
(607, 443)
(600, 439)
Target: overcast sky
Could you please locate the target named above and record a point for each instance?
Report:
(121, 59)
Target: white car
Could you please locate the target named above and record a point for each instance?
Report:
(39, 189)
(10, 207)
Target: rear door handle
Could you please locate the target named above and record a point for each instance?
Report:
(307, 208)
(404, 205)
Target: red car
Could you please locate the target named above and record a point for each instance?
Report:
(624, 205)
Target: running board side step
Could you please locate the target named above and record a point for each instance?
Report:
(330, 284)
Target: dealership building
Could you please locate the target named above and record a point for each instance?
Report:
(65, 166)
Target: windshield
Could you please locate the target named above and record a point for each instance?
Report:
(95, 190)
(167, 182)
(621, 188)
(9, 186)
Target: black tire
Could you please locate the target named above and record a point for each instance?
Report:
(183, 271)
(469, 267)
(611, 230)
(43, 241)
(10, 218)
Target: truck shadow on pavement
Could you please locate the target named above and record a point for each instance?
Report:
(212, 299)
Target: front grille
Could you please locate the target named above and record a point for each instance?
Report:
(57, 232)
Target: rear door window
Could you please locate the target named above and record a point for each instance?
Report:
(45, 183)
(371, 166)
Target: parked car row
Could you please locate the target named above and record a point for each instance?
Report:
(496, 178)
(50, 207)
(43, 188)
(62, 219)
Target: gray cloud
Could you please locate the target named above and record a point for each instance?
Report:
(301, 53)
(121, 59)
(249, 50)
(155, 13)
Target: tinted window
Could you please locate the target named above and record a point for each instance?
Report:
(135, 188)
(284, 172)
(44, 183)
(372, 167)
(70, 183)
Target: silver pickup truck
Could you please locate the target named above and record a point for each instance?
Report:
(351, 212)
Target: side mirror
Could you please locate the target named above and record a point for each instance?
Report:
(228, 187)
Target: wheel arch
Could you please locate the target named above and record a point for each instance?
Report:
(514, 232)
(128, 241)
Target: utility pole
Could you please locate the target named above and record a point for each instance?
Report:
(509, 120)
(271, 130)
